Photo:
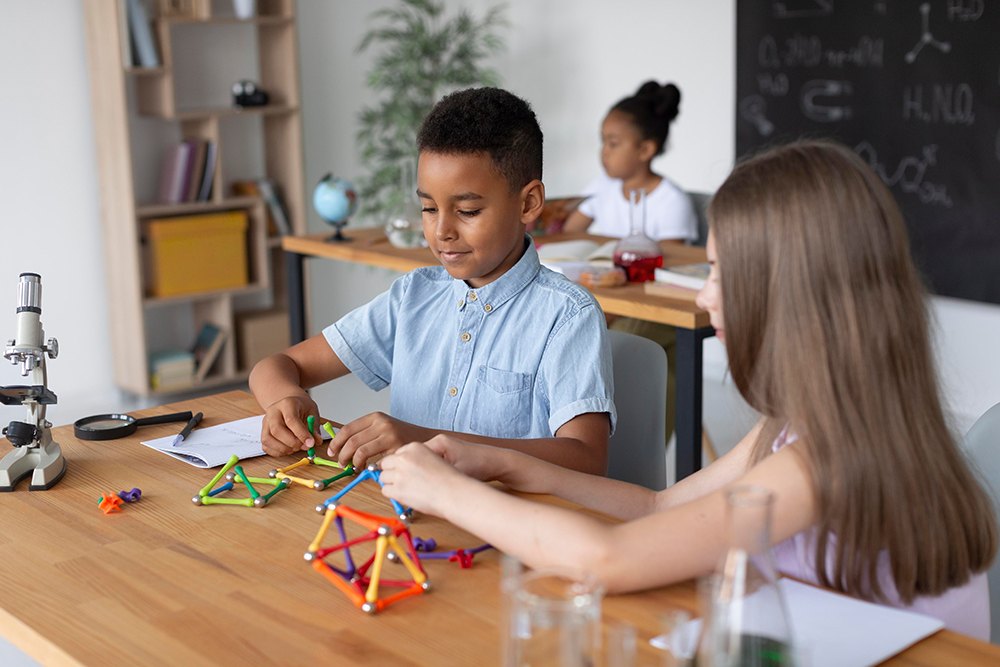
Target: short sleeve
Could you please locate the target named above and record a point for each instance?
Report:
(575, 371)
(589, 205)
(364, 339)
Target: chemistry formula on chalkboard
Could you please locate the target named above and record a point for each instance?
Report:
(914, 88)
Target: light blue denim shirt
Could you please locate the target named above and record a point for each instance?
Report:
(516, 358)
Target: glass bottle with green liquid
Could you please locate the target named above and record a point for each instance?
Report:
(746, 619)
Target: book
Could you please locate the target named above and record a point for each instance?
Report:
(173, 171)
(193, 185)
(208, 174)
(125, 34)
(272, 197)
(143, 44)
(207, 346)
(692, 276)
(578, 250)
(669, 291)
(171, 369)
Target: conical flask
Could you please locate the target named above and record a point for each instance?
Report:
(405, 227)
(746, 620)
(638, 254)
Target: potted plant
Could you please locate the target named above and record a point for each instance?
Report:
(421, 56)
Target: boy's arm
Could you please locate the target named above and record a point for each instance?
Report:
(579, 444)
(279, 384)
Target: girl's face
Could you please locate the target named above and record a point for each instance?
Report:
(624, 153)
(710, 296)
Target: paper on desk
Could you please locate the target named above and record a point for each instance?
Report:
(839, 631)
(212, 446)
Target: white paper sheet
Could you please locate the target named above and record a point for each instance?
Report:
(834, 630)
(212, 446)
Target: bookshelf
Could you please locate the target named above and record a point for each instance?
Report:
(140, 112)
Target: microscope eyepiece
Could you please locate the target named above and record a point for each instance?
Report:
(29, 293)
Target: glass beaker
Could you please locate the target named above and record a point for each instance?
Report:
(745, 616)
(554, 620)
(405, 228)
(638, 254)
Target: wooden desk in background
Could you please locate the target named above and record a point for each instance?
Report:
(370, 247)
(164, 582)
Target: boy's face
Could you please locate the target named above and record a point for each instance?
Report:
(473, 223)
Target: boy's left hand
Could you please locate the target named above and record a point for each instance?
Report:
(374, 434)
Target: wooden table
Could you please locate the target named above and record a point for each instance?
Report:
(165, 582)
(370, 247)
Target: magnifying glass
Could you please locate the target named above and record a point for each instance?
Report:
(111, 426)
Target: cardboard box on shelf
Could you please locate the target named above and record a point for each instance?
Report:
(197, 253)
(260, 334)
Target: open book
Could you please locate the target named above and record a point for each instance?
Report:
(571, 258)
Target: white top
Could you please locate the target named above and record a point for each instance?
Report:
(669, 213)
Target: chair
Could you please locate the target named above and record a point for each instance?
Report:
(700, 202)
(982, 443)
(635, 452)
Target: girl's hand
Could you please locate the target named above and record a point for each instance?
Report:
(372, 435)
(283, 430)
(416, 476)
(482, 462)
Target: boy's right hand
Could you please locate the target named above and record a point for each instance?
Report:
(284, 429)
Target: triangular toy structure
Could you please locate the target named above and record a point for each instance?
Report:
(208, 494)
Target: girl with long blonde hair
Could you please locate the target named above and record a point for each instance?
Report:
(825, 323)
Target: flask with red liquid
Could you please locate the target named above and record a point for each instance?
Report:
(638, 254)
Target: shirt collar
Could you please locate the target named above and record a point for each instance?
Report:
(492, 296)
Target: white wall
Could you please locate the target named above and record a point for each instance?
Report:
(570, 58)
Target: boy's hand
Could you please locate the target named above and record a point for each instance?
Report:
(416, 476)
(284, 429)
(374, 434)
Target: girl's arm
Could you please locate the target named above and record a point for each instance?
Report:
(668, 546)
(577, 222)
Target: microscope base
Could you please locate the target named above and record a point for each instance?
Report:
(46, 466)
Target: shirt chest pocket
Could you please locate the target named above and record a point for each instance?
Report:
(502, 407)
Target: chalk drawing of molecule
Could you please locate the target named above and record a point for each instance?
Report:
(909, 174)
(926, 38)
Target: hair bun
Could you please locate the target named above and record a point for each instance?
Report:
(666, 99)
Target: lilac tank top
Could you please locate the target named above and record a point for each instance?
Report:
(964, 609)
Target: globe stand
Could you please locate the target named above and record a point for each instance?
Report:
(337, 237)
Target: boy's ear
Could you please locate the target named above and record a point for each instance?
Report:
(532, 201)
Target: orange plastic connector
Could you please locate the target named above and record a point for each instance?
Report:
(109, 503)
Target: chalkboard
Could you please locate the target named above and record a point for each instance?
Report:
(914, 88)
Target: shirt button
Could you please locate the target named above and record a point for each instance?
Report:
(453, 391)
(487, 308)
(466, 337)
(461, 302)
(473, 296)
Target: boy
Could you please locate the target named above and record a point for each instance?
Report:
(492, 345)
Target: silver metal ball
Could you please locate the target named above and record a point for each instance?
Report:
(259, 502)
(392, 557)
(384, 530)
(369, 608)
(272, 473)
(230, 476)
(318, 485)
(426, 585)
(196, 500)
(321, 509)
(309, 556)
(371, 467)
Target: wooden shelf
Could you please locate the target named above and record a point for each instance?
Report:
(121, 94)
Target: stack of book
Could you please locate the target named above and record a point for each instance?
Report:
(188, 171)
(679, 282)
(173, 369)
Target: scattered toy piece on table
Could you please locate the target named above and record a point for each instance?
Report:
(109, 503)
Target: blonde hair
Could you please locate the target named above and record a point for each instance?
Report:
(828, 333)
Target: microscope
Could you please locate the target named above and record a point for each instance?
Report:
(34, 451)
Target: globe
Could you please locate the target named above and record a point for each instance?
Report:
(335, 200)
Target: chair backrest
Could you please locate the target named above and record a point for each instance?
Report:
(982, 443)
(700, 202)
(637, 450)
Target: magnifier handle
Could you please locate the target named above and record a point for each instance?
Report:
(164, 419)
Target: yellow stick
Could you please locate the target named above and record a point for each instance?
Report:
(325, 526)
(371, 595)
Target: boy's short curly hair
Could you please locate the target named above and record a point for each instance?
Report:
(487, 120)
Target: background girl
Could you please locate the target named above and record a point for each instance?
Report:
(824, 320)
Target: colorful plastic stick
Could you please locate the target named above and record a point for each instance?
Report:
(311, 423)
(130, 496)
(360, 586)
(374, 473)
(207, 495)
(461, 556)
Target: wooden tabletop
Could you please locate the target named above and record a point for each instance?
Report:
(370, 246)
(165, 582)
